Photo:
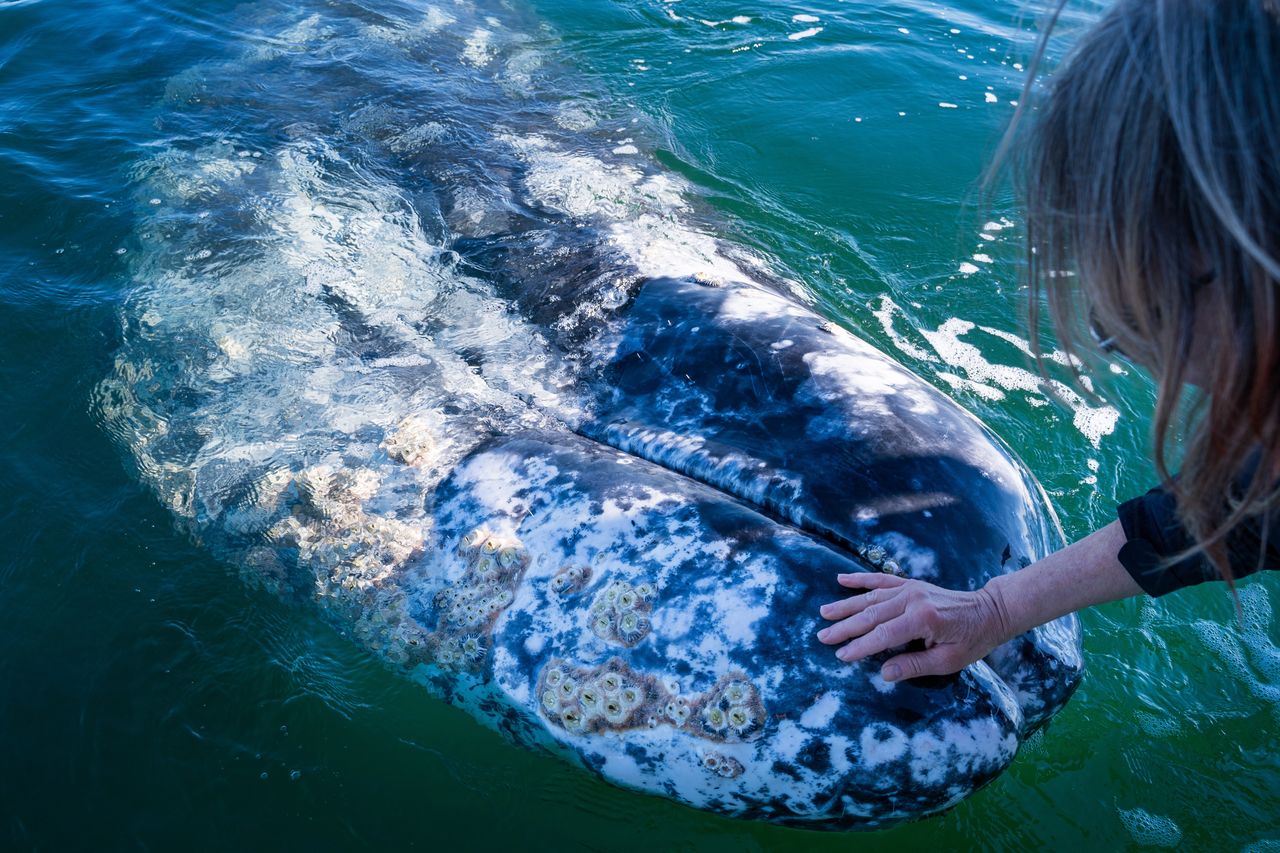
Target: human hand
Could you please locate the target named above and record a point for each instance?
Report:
(958, 628)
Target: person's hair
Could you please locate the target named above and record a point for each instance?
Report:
(1150, 165)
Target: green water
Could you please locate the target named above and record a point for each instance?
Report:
(148, 700)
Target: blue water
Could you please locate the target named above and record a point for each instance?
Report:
(149, 699)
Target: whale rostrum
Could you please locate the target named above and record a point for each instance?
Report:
(493, 398)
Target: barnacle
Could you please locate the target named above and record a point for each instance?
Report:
(554, 676)
(508, 556)
(472, 647)
(735, 692)
(633, 628)
(626, 599)
(614, 712)
(491, 545)
(550, 700)
(630, 697)
(572, 720)
(714, 718)
(739, 718)
(644, 589)
(875, 555)
(610, 682)
(474, 538)
(589, 698)
(567, 687)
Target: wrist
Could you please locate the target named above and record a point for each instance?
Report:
(994, 596)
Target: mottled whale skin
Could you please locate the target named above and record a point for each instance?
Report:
(500, 408)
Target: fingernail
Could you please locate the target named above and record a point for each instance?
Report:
(822, 635)
(843, 575)
(891, 672)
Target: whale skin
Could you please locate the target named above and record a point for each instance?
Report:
(501, 406)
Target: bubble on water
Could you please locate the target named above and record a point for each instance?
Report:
(1149, 829)
(295, 775)
(1157, 726)
(262, 775)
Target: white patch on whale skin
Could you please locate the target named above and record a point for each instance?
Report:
(823, 710)
(954, 749)
(881, 743)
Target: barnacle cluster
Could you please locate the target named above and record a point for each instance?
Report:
(721, 764)
(620, 612)
(582, 700)
(613, 696)
(411, 442)
(469, 606)
(880, 559)
(351, 550)
(355, 556)
(729, 711)
(570, 579)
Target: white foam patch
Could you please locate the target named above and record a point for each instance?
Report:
(804, 34)
(805, 19)
(1151, 830)
(641, 212)
(1092, 422)
(885, 314)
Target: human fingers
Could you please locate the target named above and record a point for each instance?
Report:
(939, 660)
(867, 620)
(869, 580)
(885, 635)
(846, 607)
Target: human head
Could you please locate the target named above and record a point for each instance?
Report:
(1151, 177)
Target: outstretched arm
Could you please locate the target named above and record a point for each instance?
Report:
(959, 628)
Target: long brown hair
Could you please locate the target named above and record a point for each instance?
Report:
(1150, 168)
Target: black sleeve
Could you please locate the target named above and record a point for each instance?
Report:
(1154, 533)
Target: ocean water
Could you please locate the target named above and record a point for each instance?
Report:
(149, 699)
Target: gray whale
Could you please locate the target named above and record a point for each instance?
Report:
(497, 402)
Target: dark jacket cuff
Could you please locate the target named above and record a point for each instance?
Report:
(1154, 533)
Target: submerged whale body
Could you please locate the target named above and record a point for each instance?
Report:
(495, 403)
